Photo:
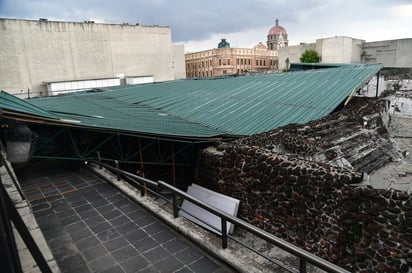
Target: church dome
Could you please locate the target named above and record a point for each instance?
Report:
(277, 37)
(277, 30)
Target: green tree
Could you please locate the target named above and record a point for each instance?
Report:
(310, 56)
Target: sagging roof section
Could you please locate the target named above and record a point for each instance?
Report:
(20, 107)
(238, 106)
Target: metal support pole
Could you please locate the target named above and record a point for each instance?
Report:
(224, 232)
(302, 266)
(173, 165)
(141, 164)
(377, 84)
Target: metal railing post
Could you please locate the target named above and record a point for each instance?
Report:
(174, 202)
(99, 158)
(142, 188)
(303, 255)
(117, 168)
(224, 232)
(302, 265)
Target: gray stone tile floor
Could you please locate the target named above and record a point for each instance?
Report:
(91, 227)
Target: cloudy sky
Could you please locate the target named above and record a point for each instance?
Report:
(201, 24)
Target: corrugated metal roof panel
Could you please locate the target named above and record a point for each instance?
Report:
(99, 111)
(12, 103)
(232, 106)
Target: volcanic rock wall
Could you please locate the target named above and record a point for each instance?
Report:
(315, 205)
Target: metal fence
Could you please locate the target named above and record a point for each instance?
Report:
(146, 185)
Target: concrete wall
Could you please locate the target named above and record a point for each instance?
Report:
(339, 50)
(35, 52)
(293, 53)
(392, 53)
(178, 62)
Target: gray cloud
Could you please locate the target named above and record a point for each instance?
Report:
(198, 20)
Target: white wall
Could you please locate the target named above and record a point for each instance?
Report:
(178, 63)
(339, 49)
(35, 52)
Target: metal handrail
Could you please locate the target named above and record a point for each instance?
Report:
(11, 215)
(302, 254)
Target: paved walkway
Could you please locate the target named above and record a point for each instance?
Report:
(91, 227)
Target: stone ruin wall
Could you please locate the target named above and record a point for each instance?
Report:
(315, 206)
(318, 206)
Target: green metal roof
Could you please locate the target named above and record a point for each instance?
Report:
(18, 106)
(205, 108)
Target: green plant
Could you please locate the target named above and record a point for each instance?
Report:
(310, 56)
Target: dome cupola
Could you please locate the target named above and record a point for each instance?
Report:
(223, 44)
(277, 37)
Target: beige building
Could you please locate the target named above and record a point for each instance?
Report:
(42, 57)
(225, 60)
(229, 61)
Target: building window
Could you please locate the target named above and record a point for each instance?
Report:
(249, 61)
(238, 61)
(220, 62)
(264, 62)
(257, 62)
(228, 61)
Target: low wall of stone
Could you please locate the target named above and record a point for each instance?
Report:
(314, 206)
